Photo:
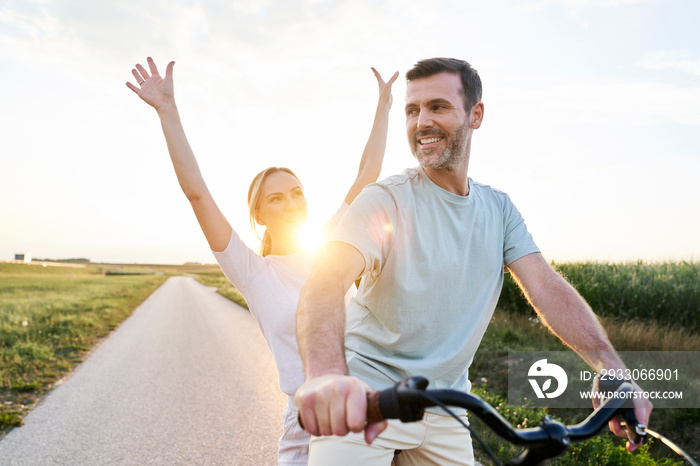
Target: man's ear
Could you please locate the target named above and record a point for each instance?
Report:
(476, 116)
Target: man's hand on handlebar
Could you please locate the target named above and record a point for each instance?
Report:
(336, 405)
(642, 411)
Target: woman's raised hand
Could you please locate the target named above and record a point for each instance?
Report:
(385, 88)
(154, 90)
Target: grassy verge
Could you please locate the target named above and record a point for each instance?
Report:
(50, 317)
(217, 279)
(514, 331)
(602, 450)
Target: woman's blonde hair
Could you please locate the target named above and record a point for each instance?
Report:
(254, 199)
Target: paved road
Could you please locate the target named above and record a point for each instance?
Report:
(187, 379)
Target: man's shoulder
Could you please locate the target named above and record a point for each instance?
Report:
(401, 180)
(387, 193)
(393, 187)
(488, 192)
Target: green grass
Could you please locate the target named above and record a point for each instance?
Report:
(668, 293)
(224, 287)
(602, 449)
(514, 331)
(50, 317)
(643, 307)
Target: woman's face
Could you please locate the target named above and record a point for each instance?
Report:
(282, 205)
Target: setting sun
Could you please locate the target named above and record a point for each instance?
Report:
(310, 236)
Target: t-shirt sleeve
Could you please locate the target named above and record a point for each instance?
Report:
(334, 221)
(238, 262)
(517, 240)
(368, 226)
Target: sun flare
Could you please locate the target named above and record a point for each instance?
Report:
(310, 236)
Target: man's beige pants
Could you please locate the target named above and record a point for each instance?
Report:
(437, 439)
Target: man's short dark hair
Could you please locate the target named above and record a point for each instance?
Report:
(471, 82)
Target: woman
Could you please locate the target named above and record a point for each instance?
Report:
(270, 282)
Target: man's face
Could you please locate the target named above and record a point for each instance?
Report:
(437, 125)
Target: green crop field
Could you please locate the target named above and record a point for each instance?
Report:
(668, 293)
(643, 307)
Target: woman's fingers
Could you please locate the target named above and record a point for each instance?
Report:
(138, 77)
(141, 74)
(132, 87)
(392, 79)
(142, 70)
(384, 87)
(380, 81)
(150, 87)
(152, 66)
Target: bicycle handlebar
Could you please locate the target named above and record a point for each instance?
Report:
(407, 400)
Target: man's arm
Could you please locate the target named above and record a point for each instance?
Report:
(562, 309)
(330, 402)
(566, 314)
(321, 311)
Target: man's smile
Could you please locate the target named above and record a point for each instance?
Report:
(432, 140)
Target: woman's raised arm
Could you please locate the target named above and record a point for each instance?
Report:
(159, 93)
(373, 155)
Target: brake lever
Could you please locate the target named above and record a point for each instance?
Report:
(636, 432)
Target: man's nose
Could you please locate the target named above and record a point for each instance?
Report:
(425, 119)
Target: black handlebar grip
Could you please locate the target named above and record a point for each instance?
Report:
(374, 414)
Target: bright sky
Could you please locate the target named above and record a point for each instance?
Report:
(591, 125)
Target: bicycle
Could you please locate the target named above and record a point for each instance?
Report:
(407, 400)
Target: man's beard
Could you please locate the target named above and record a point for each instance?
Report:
(450, 157)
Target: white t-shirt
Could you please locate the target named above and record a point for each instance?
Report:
(434, 265)
(271, 286)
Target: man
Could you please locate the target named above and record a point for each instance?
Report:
(432, 246)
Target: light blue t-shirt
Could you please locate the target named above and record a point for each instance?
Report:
(434, 265)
